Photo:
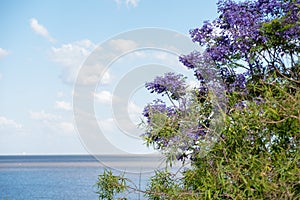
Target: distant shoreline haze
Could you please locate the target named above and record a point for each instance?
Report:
(148, 161)
(58, 177)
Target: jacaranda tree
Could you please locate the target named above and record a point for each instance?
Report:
(241, 130)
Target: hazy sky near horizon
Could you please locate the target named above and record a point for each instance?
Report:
(43, 44)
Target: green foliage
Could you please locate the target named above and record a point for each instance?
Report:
(162, 185)
(109, 185)
(257, 156)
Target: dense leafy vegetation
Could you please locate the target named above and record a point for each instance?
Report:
(245, 145)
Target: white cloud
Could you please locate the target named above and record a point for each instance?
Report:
(3, 53)
(73, 53)
(134, 112)
(5, 122)
(66, 127)
(107, 125)
(103, 97)
(71, 56)
(133, 3)
(1, 76)
(63, 105)
(52, 122)
(40, 29)
(119, 2)
(166, 58)
(91, 75)
(42, 115)
(123, 45)
(106, 78)
(134, 109)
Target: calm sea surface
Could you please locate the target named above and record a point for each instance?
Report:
(66, 177)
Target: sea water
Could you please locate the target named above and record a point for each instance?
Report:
(66, 177)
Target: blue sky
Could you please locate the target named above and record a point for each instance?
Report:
(43, 44)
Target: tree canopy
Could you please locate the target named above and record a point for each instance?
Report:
(245, 145)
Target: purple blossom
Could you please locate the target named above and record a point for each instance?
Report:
(239, 83)
(191, 60)
(241, 105)
(200, 63)
(199, 76)
(245, 34)
(159, 107)
(241, 27)
(171, 84)
(259, 100)
(201, 34)
(234, 82)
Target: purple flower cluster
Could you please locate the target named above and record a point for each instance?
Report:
(231, 36)
(159, 107)
(191, 60)
(254, 35)
(171, 84)
(242, 26)
(239, 82)
(200, 63)
(201, 34)
(234, 82)
(227, 75)
(242, 30)
(239, 29)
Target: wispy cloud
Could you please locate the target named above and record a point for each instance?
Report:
(53, 122)
(40, 30)
(71, 56)
(103, 97)
(42, 115)
(63, 105)
(133, 3)
(5, 122)
(66, 127)
(123, 45)
(135, 112)
(3, 53)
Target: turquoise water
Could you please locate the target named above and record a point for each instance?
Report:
(63, 177)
